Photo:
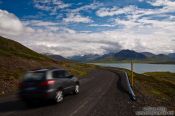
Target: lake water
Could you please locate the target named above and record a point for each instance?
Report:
(141, 68)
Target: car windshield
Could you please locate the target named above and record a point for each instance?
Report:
(35, 75)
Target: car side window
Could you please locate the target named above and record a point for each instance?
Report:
(58, 74)
(66, 74)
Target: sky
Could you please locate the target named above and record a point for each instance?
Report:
(81, 27)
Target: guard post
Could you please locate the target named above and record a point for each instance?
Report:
(132, 74)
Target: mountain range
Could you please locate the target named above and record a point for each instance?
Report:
(84, 58)
(127, 56)
(56, 57)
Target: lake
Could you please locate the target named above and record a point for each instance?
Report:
(141, 68)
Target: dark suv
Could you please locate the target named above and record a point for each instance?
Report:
(47, 84)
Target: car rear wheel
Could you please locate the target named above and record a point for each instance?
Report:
(59, 96)
(77, 89)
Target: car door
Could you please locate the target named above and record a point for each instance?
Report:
(61, 81)
(70, 81)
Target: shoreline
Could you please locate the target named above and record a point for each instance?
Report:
(129, 63)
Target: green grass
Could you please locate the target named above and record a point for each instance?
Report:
(165, 82)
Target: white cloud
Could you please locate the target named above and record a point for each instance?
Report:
(9, 23)
(77, 18)
(147, 33)
(168, 5)
(140, 34)
(39, 23)
(91, 6)
(102, 12)
(74, 15)
(50, 5)
(101, 25)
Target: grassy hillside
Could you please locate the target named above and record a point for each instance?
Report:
(10, 48)
(15, 59)
(125, 56)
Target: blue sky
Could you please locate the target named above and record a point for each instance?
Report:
(79, 27)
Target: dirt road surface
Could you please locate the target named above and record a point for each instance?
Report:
(99, 96)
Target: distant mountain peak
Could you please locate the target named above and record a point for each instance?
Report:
(172, 55)
(148, 54)
(129, 54)
(84, 58)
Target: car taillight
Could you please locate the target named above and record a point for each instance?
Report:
(47, 83)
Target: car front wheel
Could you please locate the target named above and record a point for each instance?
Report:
(59, 96)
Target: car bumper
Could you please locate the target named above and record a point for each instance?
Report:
(36, 95)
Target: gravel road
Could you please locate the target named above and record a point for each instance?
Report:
(100, 95)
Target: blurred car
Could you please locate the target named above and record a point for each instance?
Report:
(47, 84)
